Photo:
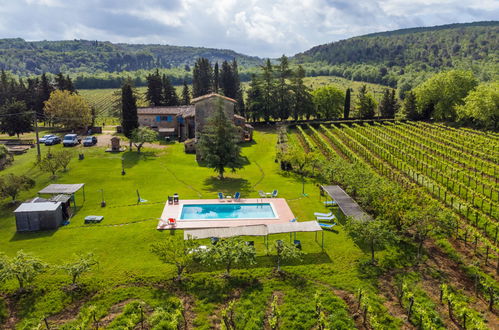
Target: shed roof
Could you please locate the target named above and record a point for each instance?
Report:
(61, 198)
(56, 188)
(209, 96)
(254, 230)
(37, 207)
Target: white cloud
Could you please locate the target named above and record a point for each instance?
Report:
(255, 27)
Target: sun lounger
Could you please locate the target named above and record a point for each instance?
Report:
(262, 194)
(175, 199)
(318, 214)
(297, 243)
(170, 200)
(326, 218)
(330, 203)
(327, 225)
(221, 197)
(274, 193)
(237, 196)
(293, 220)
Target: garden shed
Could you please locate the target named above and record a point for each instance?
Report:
(38, 214)
(63, 189)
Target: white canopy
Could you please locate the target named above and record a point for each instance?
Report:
(256, 230)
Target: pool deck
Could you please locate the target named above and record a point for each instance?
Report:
(281, 207)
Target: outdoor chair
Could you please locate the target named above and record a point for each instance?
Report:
(172, 222)
(274, 193)
(318, 214)
(214, 240)
(327, 225)
(326, 218)
(250, 243)
(170, 200)
(293, 220)
(237, 196)
(297, 244)
(262, 194)
(175, 199)
(221, 196)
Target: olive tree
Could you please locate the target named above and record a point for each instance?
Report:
(23, 267)
(81, 264)
(229, 252)
(373, 233)
(176, 251)
(11, 185)
(142, 135)
(285, 251)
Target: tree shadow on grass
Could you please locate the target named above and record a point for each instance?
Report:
(245, 161)
(130, 159)
(247, 144)
(228, 185)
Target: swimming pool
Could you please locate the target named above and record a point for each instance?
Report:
(232, 211)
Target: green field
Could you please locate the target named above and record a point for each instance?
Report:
(121, 242)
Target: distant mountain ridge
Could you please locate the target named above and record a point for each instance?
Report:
(86, 56)
(385, 56)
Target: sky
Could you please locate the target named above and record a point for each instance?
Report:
(265, 28)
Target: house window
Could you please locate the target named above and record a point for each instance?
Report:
(165, 118)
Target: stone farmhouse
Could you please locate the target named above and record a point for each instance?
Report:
(184, 123)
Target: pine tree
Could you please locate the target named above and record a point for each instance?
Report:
(240, 107)
(186, 94)
(64, 83)
(129, 118)
(385, 106)
(170, 97)
(283, 90)
(346, 108)
(16, 119)
(202, 78)
(366, 104)
(302, 99)
(255, 99)
(410, 107)
(268, 91)
(154, 92)
(217, 143)
(42, 95)
(216, 78)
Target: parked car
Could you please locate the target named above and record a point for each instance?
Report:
(52, 140)
(89, 141)
(71, 140)
(45, 137)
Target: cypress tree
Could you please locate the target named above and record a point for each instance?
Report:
(240, 107)
(216, 78)
(129, 118)
(410, 107)
(268, 91)
(186, 95)
(255, 99)
(202, 77)
(227, 82)
(366, 105)
(346, 108)
(42, 95)
(385, 106)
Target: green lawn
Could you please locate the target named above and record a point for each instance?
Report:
(121, 242)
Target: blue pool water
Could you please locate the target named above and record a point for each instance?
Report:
(227, 211)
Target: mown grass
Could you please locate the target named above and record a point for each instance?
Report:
(121, 242)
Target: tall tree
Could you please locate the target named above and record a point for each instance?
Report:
(481, 106)
(202, 77)
(15, 118)
(186, 94)
(170, 97)
(346, 107)
(366, 104)
(129, 118)
(302, 99)
(42, 95)
(70, 110)
(283, 90)
(388, 105)
(255, 99)
(64, 83)
(410, 107)
(239, 97)
(227, 82)
(216, 78)
(268, 91)
(328, 101)
(217, 143)
(154, 92)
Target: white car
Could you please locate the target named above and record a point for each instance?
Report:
(46, 137)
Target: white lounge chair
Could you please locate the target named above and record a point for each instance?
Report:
(318, 214)
(326, 218)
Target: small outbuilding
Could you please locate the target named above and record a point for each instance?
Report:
(38, 214)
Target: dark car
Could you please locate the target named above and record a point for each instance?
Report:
(89, 141)
(52, 140)
(71, 140)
